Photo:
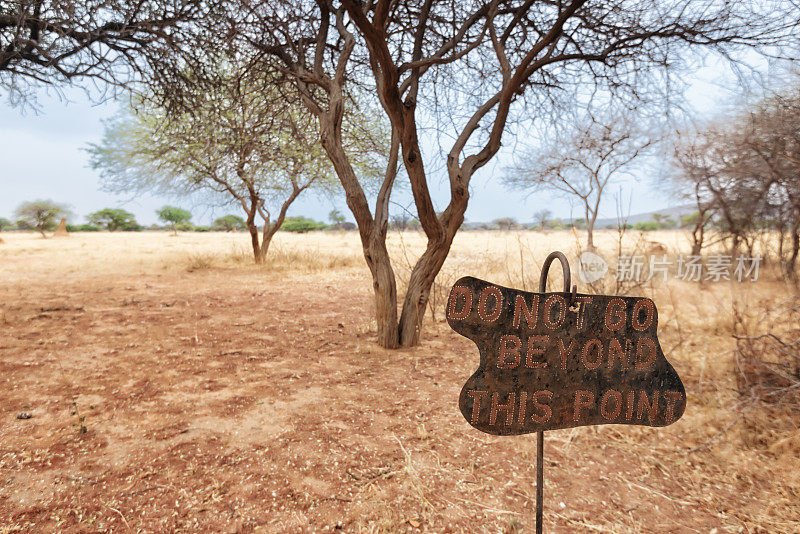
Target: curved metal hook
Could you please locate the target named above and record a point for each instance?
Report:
(564, 267)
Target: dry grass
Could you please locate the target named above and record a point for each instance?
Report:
(102, 253)
(710, 467)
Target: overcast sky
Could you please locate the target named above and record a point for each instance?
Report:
(43, 158)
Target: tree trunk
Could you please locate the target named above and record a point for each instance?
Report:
(250, 222)
(253, 229)
(385, 292)
(430, 263)
(372, 232)
(270, 229)
(750, 242)
(373, 242)
(590, 220)
(419, 288)
(267, 234)
(699, 231)
(266, 238)
(792, 263)
(698, 235)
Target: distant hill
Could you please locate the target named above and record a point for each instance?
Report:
(674, 213)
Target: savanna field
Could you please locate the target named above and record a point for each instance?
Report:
(173, 386)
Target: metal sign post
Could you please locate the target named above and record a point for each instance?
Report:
(540, 434)
(561, 360)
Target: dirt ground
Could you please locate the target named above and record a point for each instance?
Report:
(191, 392)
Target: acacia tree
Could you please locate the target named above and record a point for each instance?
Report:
(243, 141)
(228, 223)
(505, 224)
(699, 221)
(233, 159)
(476, 65)
(113, 219)
(775, 141)
(174, 216)
(582, 162)
(56, 41)
(745, 169)
(336, 217)
(41, 214)
(542, 218)
(726, 178)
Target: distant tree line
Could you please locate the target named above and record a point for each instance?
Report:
(43, 216)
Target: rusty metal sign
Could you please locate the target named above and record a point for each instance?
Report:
(562, 360)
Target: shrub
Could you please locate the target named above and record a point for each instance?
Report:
(506, 223)
(579, 223)
(228, 223)
(767, 372)
(302, 224)
(647, 226)
(114, 219)
(83, 228)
